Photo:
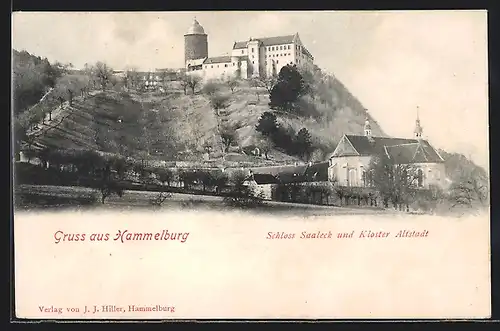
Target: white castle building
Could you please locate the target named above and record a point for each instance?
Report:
(256, 57)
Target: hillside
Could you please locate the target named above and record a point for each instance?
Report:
(177, 126)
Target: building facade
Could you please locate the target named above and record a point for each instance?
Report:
(255, 57)
(349, 163)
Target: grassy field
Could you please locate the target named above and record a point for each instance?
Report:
(34, 197)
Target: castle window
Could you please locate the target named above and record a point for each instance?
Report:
(265, 63)
(217, 66)
(212, 66)
(289, 54)
(253, 62)
(225, 65)
(288, 46)
(252, 49)
(233, 64)
(242, 51)
(281, 48)
(206, 67)
(253, 57)
(272, 48)
(277, 61)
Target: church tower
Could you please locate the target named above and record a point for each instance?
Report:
(368, 127)
(418, 129)
(195, 42)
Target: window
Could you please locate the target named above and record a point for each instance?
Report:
(233, 64)
(289, 54)
(277, 61)
(252, 49)
(217, 66)
(420, 178)
(206, 67)
(272, 48)
(269, 48)
(281, 48)
(212, 66)
(364, 179)
(253, 62)
(265, 63)
(352, 179)
(242, 51)
(288, 47)
(225, 65)
(253, 57)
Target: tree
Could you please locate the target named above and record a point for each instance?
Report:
(211, 87)
(394, 182)
(132, 78)
(166, 176)
(228, 135)
(268, 83)
(232, 82)
(257, 84)
(303, 143)
(241, 195)
(267, 124)
(290, 86)
(193, 82)
(265, 145)
(103, 74)
(108, 185)
(219, 102)
(184, 80)
(470, 188)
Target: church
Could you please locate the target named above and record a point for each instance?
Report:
(255, 57)
(349, 162)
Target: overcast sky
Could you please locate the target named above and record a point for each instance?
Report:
(391, 61)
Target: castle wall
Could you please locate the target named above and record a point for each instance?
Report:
(195, 47)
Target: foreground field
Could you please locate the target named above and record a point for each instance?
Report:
(29, 197)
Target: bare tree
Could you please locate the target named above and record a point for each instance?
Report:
(232, 83)
(103, 74)
(228, 136)
(184, 80)
(470, 187)
(193, 82)
(211, 87)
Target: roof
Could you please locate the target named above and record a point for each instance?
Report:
(196, 62)
(317, 172)
(269, 41)
(265, 179)
(195, 28)
(403, 150)
(217, 59)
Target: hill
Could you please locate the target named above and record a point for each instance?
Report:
(174, 125)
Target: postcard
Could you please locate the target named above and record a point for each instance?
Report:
(251, 165)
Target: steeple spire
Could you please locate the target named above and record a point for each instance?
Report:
(418, 129)
(368, 127)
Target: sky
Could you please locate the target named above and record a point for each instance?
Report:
(393, 61)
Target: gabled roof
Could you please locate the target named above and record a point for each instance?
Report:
(217, 59)
(317, 172)
(262, 179)
(401, 150)
(269, 41)
(196, 62)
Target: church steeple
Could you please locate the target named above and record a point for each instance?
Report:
(368, 127)
(418, 129)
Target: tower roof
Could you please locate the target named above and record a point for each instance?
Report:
(195, 28)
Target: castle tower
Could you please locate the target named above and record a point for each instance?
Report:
(195, 42)
(418, 129)
(368, 127)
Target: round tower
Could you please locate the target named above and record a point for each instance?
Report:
(195, 42)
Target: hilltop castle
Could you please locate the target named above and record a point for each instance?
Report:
(256, 57)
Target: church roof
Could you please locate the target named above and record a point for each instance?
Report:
(269, 41)
(401, 150)
(195, 28)
(218, 59)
